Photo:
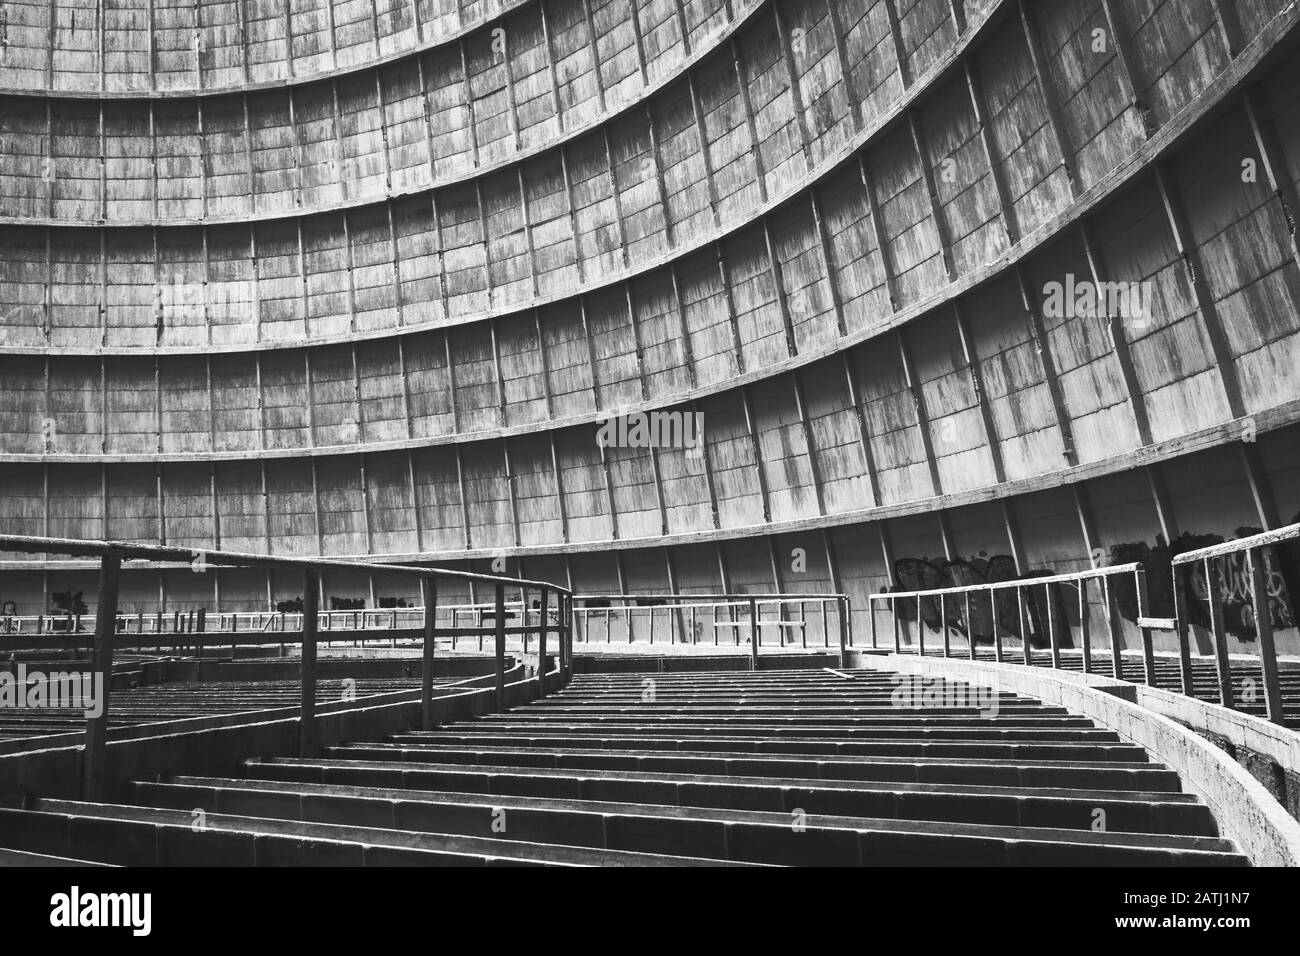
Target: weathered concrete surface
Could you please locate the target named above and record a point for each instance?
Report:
(1246, 812)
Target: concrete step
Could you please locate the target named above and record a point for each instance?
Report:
(937, 770)
(897, 728)
(782, 767)
(153, 836)
(742, 835)
(648, 738)
(22, 858)
(1125, 811)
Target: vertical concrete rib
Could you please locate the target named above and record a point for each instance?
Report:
(996, 173)
(896, 39)
(792, 77)
(864, 438)
(778, 282)
(747, 108)
(814, 466)
(702, 140)
(1196, 278)
(1038, 336)
(922, 415)
(977, 386)
(758, 454)
(932, 193)
(1273, 159)
(878, 232)
(1051, 100)
(1117, 334)
(1128, 71)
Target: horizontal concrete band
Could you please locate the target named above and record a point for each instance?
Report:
(1247, 813)
(615, 515)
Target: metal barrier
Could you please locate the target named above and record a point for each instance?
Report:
(1258, 573)
(202, 620)
(351, 626)
(112, 554)
(741, 611)
(970, 593)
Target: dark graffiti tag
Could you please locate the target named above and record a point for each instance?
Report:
(1280, 564)
(923, 574)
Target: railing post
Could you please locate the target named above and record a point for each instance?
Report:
(753, 633)
(566, 642)
(1148, 648)
(1053, 638)
(541, 643)
(307, 716)
(943, 624)
(1024, 626)
(693, 623)
(499, 626)
(1183, 630)
(523, 616)
(844, 631)
(993, 616)
(101, 669)
(1085, 626)
(1217, 631)
(1264, 633)
(893, 612)
(429, 592)
(970, 626)
(920, 629)
(871, 618)
(1116, 626)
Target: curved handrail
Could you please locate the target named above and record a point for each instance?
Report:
(112, 554)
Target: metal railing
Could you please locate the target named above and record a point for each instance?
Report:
(1257, 573)
(106, 635)
(690, 616)
(202, 620)
(1028, 621)
(1257, 570)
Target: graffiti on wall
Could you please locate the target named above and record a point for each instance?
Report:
(923, 574)
(1281, 563)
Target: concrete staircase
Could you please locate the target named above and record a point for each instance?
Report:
(769, 767)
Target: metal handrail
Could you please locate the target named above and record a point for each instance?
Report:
(112, 554)
(677, 604)
(1082, 579)
(1180, 565)
(133, 551)
(1276, 536)
(1208, 558)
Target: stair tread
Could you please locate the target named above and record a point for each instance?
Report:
(724, 815)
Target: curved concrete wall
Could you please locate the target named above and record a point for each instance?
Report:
(842, 264)
(497, 94)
